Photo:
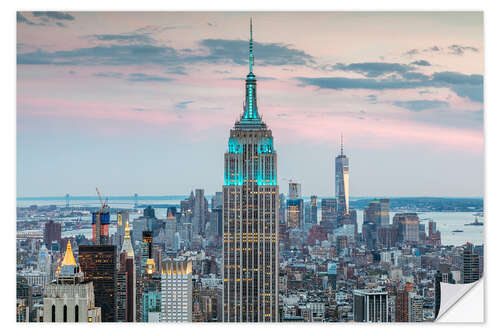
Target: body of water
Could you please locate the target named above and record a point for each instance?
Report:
(446, 221)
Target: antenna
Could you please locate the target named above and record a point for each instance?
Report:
(341, 144)
(250, 55)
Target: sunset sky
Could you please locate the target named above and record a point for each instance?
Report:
(143, 102)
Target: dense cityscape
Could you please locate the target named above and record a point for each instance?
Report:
(248, 253)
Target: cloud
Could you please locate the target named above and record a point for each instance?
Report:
(179, 70)
(452, 49)
(412, 52)
(340, 83)
(183, 105)
(134, 38)
(266, 54)
(142, 52)
(134, 77)
(20, 18)
(460, 50)
(44, 19)
(153, 29)
(420, 105)
(141, 77)
(216, 51)
(103, 55)
(414, 76)
(432, 49)
(54, 15)
(470, 86)
(474, 93)
(370, 69)
(421, 63)
(372, 98)
(114, 75)
(259, 78)
(458, 78)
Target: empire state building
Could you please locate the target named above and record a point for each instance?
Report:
(250, 216)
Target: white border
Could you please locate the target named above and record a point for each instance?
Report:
(8, 133)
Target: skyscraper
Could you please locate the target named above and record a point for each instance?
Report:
(294, 207)
(402, 294)
(328, 214)
(176, 291)
(408, 227)
(415, 307)
(250, 216)
(294, 191)
(294, 213)
(342, 181)
(314, 210)
(51, 233)
(128, 266)
(170, 228)
(98, 264)
(122, 218)
(470, 264)
(200, 212)
(100, 227)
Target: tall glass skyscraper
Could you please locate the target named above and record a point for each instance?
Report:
(250, 216)
(342, 182)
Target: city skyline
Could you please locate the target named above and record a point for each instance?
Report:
(150, 95)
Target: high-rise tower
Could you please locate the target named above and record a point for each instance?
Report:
(250, 216)
(342, 181)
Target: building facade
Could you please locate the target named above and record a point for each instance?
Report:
(176, 291)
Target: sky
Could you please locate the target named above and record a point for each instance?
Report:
(142, 102)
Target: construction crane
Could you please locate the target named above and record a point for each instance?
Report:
(289, 179)
(97, 228)
(104, 204)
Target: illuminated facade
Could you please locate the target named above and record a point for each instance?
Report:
(176, 291)
(250, 217)
(98, 264)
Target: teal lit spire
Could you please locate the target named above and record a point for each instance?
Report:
(250, 53)
(251, 113)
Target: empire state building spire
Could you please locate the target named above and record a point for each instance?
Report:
(250, 49)
(250, 112)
